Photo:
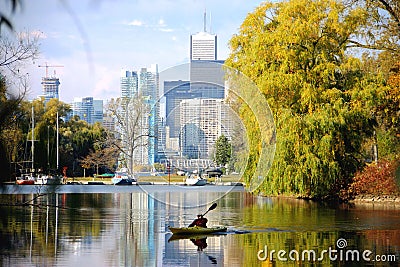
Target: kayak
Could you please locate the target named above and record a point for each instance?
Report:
(194, 236)
(196, 230)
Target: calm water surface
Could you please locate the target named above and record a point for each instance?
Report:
(128, 226)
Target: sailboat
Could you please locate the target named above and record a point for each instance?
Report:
(28, 175)
(48, 179)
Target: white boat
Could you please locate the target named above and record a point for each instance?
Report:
(195, 180)
(123, 177)
(44, 179)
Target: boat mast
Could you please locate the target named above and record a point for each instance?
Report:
(48, 148)
(57, 141)
(32, 139)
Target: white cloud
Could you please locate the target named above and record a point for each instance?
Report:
(166, 29)
(136, 23)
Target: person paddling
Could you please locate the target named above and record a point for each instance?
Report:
(200, 222)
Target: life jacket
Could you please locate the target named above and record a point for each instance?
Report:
(201, 222)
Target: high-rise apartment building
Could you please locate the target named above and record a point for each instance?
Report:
(88, 109)
(149, 90)
(203, 120)
(50, 87)
(109, 123)
(128, 83)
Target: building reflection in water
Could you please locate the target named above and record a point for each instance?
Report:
(131, 229)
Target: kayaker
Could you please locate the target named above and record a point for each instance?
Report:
(200, 221)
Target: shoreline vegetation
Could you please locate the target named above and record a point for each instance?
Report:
(334, 111)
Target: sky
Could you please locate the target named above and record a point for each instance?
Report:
(94, 39)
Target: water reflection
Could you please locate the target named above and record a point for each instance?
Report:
(131, 229)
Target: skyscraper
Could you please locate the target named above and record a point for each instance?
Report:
(88, 109)
(203, 46)
(50, 87)
(206, 73)
(191, 105)
(175, 92)
(129, 83)
(203, 120)
(207, 78)
(149, 90)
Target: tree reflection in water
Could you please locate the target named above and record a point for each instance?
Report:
(108, 229)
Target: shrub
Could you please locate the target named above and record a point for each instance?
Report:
(376, 179)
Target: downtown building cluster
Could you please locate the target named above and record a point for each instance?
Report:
(184, 117)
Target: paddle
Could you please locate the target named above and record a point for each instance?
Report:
(213, 206)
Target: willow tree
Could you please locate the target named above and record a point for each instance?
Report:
(297, 53)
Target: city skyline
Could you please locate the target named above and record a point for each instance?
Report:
(95, 40)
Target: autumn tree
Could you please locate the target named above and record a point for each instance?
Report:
(102, 156)
(132, 131)
(381, 35)
(382, 28)
(15, 52)
(297, 54)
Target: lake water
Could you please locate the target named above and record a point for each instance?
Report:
(82, 225)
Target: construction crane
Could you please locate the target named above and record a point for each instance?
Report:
(49, 66)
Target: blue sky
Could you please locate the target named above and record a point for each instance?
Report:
(95, 39)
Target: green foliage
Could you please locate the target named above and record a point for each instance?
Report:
(80, 140)
(223, 150)
(324, 105)
(77, 139)
(10, 133)
(254, 136)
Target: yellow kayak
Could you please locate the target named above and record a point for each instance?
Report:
(196, 230)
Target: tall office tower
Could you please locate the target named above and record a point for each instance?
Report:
(128, 83)
(206, 73)
(207, 77)
(88, 109)
(203, 120)
(203, 46)
(175, 92)
(149, 91)
(50, 87)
